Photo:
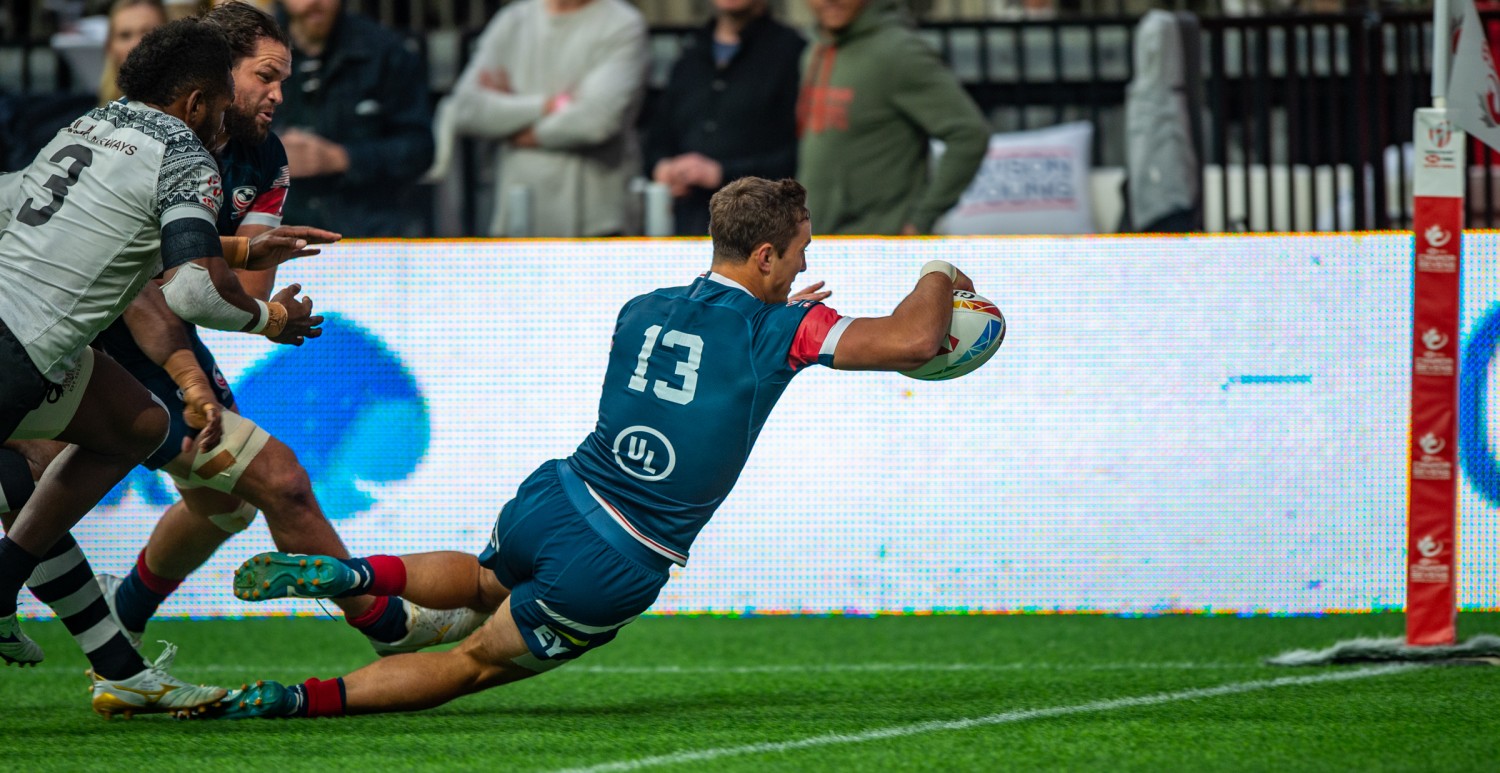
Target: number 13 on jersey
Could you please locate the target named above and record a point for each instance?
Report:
(687, 369)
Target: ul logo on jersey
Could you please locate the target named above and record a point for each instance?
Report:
(643, 452)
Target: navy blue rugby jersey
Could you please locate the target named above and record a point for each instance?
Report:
(693, 374)
(256, 179)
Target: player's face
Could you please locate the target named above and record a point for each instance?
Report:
(127, 27)
(834, 15)
(257, 91)
(315, 17)
(207, 118)
(789, 264)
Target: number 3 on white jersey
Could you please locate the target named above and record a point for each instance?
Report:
(688, 368)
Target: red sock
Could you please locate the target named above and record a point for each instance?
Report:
(368, 617)
(324, 699)
(390, 576)
(161, 586)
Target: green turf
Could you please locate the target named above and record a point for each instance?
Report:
(714, 686)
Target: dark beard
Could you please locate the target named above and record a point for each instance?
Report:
(242, 128)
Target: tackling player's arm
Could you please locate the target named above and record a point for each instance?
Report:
(256, 250)
(258, 283)
(913, 334)
(205, 291)
(161, 336)
(200, 286)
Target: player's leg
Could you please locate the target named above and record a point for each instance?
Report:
(222, 490)
(572, 587)
(422, 680)
(16, 485)
(441, 580)
(192, 529)
(64, 581)
(489, 657)
(181, 542)
(114, 425)
(121, 681)
(450, 579)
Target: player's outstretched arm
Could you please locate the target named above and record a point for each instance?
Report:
(205, 291)
(272, 247)
(913, 333)
(162, 337)
(256, 250)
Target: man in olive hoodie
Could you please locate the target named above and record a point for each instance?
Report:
(873, 95)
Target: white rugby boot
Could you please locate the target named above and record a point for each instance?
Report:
(152, 691)
(431, 627)
(16, 646)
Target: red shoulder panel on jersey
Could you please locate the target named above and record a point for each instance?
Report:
(270, 202)
(810, 336)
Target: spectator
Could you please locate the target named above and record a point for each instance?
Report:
(729, 110)
(559, 83)
(129, 21)
(356, 123)
(873, 97)
(182, 9)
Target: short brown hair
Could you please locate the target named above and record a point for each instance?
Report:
(244, 26)
(752, 211)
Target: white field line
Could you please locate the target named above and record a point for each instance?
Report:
(1023, 715)
(188, 667)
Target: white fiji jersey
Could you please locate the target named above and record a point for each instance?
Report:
(82, 224)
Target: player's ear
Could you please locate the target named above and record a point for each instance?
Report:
(763, 256)
(196, 100)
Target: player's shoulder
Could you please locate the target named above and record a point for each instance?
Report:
(267, 158)
(659, 296)
(175, 136)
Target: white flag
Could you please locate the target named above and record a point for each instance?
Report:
(1473, 83)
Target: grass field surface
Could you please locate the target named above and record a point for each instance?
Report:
(1027, 692)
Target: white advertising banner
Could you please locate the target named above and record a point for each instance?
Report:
(1173, 424)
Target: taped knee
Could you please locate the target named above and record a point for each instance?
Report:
(236, 520)
(220, 468)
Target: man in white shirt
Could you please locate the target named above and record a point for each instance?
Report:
(559, 84)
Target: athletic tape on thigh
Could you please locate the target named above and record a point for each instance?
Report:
(220, 467)
(236, 520)
(50, 418)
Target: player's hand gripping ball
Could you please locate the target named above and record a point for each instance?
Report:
(973, 336)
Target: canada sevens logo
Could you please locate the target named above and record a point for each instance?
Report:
(1441, 134)
(344, 403)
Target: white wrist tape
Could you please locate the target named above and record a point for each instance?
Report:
(939, 267)
(192, 295)
(265, 317)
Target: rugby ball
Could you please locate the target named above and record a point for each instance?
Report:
(975, 333)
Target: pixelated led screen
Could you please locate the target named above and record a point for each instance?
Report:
(1173, 424)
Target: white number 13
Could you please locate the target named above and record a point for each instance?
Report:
(688, 368)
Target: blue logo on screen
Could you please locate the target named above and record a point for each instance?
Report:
(1474, 451)
(344, 403)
